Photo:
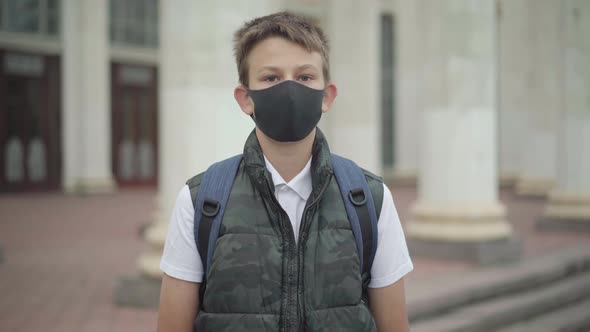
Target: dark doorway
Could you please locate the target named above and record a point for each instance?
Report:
(134, 125)
(30, 130)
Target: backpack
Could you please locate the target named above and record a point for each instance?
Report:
(216, 185)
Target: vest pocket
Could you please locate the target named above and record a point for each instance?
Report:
(221, 322)
(245, 275)
(355, 318)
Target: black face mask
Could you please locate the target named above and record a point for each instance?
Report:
(288, 111)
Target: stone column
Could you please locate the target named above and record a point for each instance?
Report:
(538, 169)
(408, 93)
(86, 97)
(200, 122)
(515, 53)
(354, 120)
(457, 214)
(569, 203)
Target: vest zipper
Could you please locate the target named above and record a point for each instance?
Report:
(299, 249)
(303, 232)
(288, 235)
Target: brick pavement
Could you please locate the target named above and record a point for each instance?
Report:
(63, 255)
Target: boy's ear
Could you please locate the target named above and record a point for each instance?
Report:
(330, 94)
(244, 100)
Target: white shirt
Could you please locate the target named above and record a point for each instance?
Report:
(181, 258)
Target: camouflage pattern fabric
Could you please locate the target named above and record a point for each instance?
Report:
(262, 280)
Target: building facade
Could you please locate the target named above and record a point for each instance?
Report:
(79, 84)
(460, 96)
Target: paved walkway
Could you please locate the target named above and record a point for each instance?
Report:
(63, 255)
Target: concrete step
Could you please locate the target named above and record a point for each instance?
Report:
(503, 311)
(573, 318)
(436, 296)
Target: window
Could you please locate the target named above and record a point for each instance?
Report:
(30, 16)
(134, 22)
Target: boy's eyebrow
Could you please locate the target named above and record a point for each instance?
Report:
(273, 68)
(307, 66)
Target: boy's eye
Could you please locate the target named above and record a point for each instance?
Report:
(305, 78)
(271, 79)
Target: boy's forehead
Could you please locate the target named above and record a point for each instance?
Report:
(278, 52)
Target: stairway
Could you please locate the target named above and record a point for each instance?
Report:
(549, 293)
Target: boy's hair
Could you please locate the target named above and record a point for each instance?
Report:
(294, 28)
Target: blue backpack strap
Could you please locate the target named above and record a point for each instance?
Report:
(210, 204)
(360, 208)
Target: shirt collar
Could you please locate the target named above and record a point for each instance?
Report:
(301, 183)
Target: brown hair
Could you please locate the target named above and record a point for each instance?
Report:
(294, 28)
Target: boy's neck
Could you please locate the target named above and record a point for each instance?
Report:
(287, 158)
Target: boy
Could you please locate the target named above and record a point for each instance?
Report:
(285, 258)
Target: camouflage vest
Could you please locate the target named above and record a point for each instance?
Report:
(261, 279)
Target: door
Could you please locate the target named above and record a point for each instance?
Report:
(30, 156)
(134, 124)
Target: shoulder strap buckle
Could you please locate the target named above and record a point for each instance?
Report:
(210, 207)
(354, 194)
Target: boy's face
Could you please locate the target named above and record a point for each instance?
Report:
(275, 60)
